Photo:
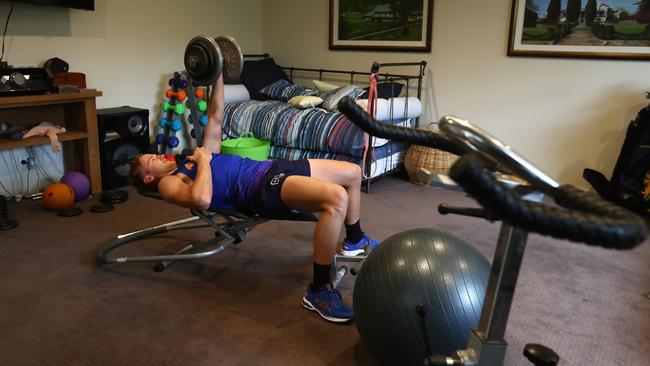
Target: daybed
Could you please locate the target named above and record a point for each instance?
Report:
(261, 106)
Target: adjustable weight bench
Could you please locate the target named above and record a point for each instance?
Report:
(230, 230)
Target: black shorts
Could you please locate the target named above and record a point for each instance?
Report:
(267, 200)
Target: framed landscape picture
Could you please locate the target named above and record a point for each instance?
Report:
(381, 25)
(615, 29)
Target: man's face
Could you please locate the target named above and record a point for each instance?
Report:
(154, 166)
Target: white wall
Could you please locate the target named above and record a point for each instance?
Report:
(127, 49)
(562, 114)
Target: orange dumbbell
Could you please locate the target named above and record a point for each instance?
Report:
(180, 95)
(199, 93)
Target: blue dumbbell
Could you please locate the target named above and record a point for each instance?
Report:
(160, 138)
(163, 122)
(177, 125)
(173, 82)
(177, 83)
(203, 120)
(173, 141)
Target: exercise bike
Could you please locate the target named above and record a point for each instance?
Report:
(580, 216)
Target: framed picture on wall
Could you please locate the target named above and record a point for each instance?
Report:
(616, 29)
(381, 25)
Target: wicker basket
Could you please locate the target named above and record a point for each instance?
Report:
(425, 157)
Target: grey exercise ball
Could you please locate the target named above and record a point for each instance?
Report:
(419, 267)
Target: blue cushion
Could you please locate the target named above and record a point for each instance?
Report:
(284, 90)
(331, 98)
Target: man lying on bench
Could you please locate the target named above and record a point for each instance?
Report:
(272, 189)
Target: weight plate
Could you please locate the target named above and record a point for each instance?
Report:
(101, 207)
(70, 211)
(233, 59)
(112, 202)
(8, 224)
(203, 60)
(117, 196)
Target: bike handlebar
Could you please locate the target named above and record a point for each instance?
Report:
(583, 217)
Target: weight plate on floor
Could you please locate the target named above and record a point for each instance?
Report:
(8, 224)
(117, 196)
(101, 207)
(70, 211)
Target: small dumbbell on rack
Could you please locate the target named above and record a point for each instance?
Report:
(201, 108)
(174, 109)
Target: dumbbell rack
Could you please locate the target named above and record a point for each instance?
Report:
(181, 89)
(197, 122)
(173, 106)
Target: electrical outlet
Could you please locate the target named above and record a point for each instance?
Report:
(29, 162)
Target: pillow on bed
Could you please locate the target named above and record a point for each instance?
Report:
(384, 90)
(284, 90)
(331, 99)
(305, 101)
(324, 87)
(260, 73)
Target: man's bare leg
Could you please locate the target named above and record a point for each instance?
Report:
(308, 194)
(333, 189)
(347, 175)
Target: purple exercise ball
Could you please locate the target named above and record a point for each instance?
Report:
(79, 183)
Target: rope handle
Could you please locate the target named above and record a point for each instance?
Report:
(372, 110)
(246, 134)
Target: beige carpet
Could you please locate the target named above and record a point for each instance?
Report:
(243, 307)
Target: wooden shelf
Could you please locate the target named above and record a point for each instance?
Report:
(44, 99)
(76, 111)
(41, 140)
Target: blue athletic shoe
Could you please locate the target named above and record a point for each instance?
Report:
(328, 303)
(354, 249)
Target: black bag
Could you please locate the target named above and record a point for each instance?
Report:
(630, 182)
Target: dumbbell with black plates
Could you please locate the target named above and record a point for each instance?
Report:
(206, 59)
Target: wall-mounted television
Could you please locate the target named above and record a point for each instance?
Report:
(76, 4)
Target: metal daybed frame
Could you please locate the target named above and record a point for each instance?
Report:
(354, 76)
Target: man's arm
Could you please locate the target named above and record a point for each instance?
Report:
(198, 194)
(212, 134)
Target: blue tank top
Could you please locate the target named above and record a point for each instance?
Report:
(234, 179)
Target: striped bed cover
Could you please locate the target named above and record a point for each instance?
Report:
(304, 133)
(384, 158)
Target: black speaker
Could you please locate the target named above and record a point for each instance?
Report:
(123, 134)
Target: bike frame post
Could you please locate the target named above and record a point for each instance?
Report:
(487, 345)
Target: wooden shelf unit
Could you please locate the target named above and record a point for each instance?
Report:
(76, 111)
